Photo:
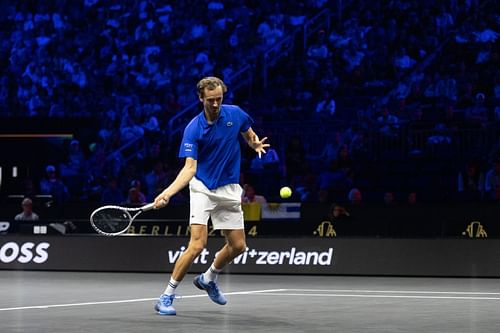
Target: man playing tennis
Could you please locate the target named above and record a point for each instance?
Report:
(212, 170)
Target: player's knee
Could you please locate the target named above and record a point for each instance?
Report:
(196, 248)
(239, 247)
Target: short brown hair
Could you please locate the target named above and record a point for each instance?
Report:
(210, 82)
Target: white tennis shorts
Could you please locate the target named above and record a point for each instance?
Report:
(223, 205)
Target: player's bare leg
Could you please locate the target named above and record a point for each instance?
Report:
(197, 243)
(235, 245)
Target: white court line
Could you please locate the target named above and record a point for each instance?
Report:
(394, 291)
(131, 300)
(383, 296)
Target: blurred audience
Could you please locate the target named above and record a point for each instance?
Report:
(388, 82)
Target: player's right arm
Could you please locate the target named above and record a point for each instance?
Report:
(183, 178)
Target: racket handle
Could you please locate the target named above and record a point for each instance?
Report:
(147, 207)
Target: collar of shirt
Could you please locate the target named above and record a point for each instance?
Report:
(204, 121)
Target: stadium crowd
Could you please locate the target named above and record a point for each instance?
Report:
(386, 69)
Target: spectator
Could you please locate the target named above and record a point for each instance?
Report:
(325, 109)
(97, 160)
(388, 124)
(352, 57)
(444, 21)
(268, 161)
(403, 61)
(358, 147)
(135, 197)
(492, 181)
(76, 158)
(27, 214)
(156, 180)
(337, 213)
(478, 114)
(319, 50)
(355, 197)
(471, 181)
(330, 149)
(335, 179)
(343, 161)
(131, 131)
(440, 138)
(250, 196)
(73, 172)
(306, 188)
(389, 198)
(137, 185)
(112, 194)
(52, 185)
(412, 199)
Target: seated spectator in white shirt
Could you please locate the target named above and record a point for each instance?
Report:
(27, 214)
(249, 195)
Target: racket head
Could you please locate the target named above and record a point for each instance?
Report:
(111, 220)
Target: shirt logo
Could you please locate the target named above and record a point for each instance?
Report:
(188, 146)
(229, 124)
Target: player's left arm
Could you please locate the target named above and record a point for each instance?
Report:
(254, 142)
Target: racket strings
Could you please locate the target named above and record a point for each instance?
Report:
(111, 221)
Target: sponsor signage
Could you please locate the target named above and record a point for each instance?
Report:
(98, 253)
(24, 253)
(4, 226)
(329, 256)
(291, 257)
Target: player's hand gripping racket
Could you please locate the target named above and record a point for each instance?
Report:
(115, 220)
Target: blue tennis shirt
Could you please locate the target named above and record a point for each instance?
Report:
(216, 146)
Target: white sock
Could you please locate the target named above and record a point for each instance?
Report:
(172, 284)
(211, 273)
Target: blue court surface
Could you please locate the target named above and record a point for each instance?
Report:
(123, 302)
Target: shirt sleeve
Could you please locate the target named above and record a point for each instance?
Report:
(189, 144)
(246, 121)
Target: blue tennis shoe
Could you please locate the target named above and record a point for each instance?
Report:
(164, 305)
(211, 288)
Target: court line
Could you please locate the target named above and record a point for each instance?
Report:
(394, 291)
(382, 296)
(49, 306)
(281, 292)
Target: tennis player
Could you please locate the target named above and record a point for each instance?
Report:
(212, 155)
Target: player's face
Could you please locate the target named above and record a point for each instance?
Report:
(212, 100)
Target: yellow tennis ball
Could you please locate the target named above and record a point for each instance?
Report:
(285, 192)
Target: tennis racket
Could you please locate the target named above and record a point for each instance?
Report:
(115, 220)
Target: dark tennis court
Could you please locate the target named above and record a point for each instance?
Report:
(123, 302)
